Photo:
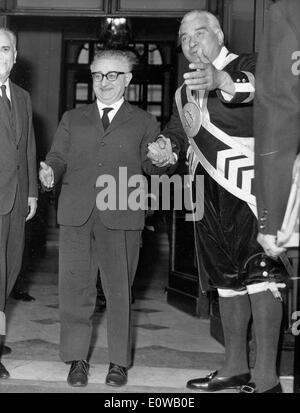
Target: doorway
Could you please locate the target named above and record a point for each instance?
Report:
(154, 78)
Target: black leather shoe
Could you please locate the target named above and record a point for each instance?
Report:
(251, 388)
(214, 383)
(78, 375)
(5, 350)
(117, 375)
(22, 296)
(4, 374)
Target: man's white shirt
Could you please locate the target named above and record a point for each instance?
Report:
(115, 107)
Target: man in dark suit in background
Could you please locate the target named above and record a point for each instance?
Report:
(277, 126)
(277, 118)
(86, 149)
(18, 179)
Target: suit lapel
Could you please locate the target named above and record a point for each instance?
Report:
(19, 109)
(124, 114)
(92, 113)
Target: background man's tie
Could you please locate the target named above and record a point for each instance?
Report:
(5, 98)
(105, 118)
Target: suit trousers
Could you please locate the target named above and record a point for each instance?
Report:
(12, 234)
(83, 250)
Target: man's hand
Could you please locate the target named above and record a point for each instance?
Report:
(32, 206)
(206, 77)
(160, 152)
(268, 242)
(46, 175)
(203, 77)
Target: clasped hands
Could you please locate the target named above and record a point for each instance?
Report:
(161, 153)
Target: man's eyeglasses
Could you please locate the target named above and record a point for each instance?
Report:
(111, 76)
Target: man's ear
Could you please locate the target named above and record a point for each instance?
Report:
(15, 57)
(128, 77)
(220, 36)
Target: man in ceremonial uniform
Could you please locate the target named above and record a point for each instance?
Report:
(212, 122)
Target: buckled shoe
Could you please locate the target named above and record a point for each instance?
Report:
(213, 382)
(251, 388)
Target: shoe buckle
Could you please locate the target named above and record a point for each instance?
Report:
(212, 375)
(247, 389)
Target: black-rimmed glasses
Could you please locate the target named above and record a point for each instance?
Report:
(111, 76)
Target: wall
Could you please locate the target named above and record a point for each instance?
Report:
(239, 25)
(40, 52)
(38, 70)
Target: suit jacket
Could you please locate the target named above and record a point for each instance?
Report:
(277, 113)
(82, 152)
(17, 152)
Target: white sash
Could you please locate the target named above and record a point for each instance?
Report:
(239, 156)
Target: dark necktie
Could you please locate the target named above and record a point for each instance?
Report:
(5, 99)
(105, 118)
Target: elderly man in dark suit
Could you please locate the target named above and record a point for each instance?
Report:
(277, 128)
(106, 139)
(18, 178)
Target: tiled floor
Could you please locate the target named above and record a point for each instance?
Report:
(170, 346)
